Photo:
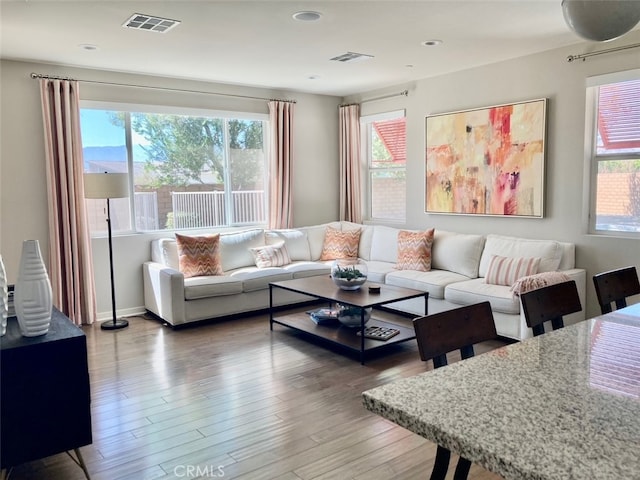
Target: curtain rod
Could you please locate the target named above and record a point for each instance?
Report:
(404, 93)
(584, 56)
(248, 97)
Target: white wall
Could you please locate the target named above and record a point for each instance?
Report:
(545, 75)
(23, 189)
(23, 196)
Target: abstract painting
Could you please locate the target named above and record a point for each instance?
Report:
(487, 161)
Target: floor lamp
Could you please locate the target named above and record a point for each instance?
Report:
(108, 185)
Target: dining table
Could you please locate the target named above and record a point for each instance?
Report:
(560, 406)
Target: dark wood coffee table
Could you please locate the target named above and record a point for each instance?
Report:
(323, 288)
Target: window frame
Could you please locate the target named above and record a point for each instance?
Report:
(592, 157)
(225, 115)
(367, 170)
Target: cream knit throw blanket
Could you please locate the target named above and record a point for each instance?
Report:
(539, 280)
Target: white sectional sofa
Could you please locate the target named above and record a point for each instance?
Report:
(459, 265)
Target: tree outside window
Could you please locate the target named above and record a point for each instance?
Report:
(188, 171)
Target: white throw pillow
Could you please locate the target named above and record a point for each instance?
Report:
(506, 270)
(271, 255)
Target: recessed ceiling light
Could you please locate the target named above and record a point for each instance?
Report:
(88, 46)
(307, 16)
(431, 43)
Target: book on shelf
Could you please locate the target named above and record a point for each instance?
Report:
(324, 316)
(379, 333)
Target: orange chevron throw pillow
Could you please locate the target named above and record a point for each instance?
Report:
(414, 250)
(338, 244)
(199, 255)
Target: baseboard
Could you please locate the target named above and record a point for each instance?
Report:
(123, 312)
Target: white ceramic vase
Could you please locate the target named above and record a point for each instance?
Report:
(4, 299)
(33, 297)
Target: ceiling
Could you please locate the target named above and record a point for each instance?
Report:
(258, 43)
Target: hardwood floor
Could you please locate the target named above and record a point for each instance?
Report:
(232, 399)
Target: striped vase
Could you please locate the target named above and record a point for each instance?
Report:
(33, 297)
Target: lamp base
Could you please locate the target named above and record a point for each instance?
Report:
(114, 325)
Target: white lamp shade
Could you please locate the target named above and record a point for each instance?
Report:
(601, 20)
(106, 185)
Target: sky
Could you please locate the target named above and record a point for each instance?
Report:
(97, 130)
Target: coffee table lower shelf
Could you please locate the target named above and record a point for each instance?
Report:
(344, 336)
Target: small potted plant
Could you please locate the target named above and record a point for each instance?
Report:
(349, 275)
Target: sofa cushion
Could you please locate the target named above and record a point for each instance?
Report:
(271, 255)
(568, 256)
(433, 281)
(457, 252)
(308, 269)
(254, 278)
(234, 248)
(338, 244)
(384, 244)
(377, 271)
(506, 270)
(477, 290)
(199, 256)
(216, 286)
(165, 251)
(295, 240)
(414, 250)
(549, 251)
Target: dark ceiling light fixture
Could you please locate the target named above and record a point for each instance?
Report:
(601, 20)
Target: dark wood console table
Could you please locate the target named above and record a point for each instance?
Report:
(44, 393)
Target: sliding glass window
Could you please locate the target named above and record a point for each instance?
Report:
(187, 169)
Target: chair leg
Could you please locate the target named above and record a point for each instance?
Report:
(462, 469)
(441, 464)
(79, 460)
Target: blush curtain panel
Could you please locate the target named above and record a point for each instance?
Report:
(350, 183)
(281, 164)
(71, 267)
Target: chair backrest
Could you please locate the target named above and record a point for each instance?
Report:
(615, 286)
(550, 303)
(460, 328)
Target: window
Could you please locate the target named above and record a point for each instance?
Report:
(614, 130)
(385, 151)
(187, 171)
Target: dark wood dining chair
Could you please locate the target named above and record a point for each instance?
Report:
(441, 333)
(550, 304)
(615, 286)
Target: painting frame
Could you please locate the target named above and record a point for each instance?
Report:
(487, 161)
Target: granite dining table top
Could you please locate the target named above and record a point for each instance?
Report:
(564, 405)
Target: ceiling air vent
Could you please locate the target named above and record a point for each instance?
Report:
(352, 57)
(141, 21)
